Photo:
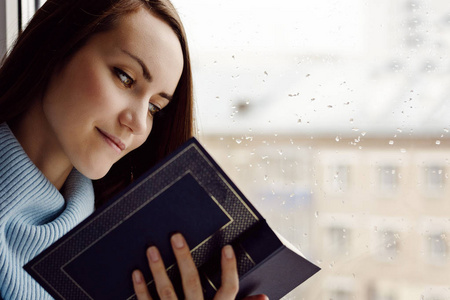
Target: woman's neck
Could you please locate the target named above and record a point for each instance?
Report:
(33, 133)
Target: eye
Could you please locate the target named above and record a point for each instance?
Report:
(126, 79)
(153, 109)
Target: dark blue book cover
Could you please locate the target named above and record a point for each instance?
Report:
(187, 193)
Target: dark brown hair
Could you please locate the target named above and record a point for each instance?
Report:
(60, 28)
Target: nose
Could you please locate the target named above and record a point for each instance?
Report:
(135, 117)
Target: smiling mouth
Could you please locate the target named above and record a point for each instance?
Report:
(112, 141)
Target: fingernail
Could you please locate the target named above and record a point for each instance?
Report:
(178, 240)
(228, 251)
(153, 254)
(137, 276)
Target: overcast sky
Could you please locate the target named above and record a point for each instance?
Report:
(334, 67)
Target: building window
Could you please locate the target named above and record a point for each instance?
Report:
(388, 245)
(339, 240)
(340, 295)
(381, 291)
(434, 178)
(388, 179)
(339, 178)
(437, 247)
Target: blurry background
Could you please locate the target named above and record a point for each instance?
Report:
(333, 117)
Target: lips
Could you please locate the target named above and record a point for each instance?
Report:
(113, 141)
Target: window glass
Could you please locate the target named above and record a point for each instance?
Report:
(332, 117)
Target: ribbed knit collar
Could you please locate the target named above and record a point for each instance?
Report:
(33, 215)
(21, 176)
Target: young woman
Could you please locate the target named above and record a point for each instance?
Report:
(96, 90)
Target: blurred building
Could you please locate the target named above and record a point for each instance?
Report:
(346, 150)
(372, 213)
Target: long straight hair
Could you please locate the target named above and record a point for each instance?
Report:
(57, 31)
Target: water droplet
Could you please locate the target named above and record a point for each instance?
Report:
(266, 177)
(337, 139)
(317, 214)
(438, 142)
(238, 141)
(391, 142)
(445, 129)
(403, 150)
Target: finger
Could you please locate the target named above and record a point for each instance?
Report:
(230, 279)
(140, 286)
(257, 297)
(163, 284)
(189, 275)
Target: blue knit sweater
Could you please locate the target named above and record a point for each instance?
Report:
(33, 215)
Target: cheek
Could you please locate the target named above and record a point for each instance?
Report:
(85, 83)
(93, 87)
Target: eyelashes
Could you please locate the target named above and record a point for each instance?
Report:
(124, 78)
(128, 82)
(153, 109)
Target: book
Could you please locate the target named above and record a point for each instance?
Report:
(188, 193)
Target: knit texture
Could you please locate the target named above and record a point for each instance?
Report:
(33, 215)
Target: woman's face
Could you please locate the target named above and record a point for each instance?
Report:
(100, 104)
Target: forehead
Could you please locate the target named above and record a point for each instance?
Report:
(147, 36)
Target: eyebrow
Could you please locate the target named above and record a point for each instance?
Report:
(145, 72)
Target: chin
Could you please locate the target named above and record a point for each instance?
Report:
(94, 173)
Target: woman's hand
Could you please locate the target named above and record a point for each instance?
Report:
(189, 275)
